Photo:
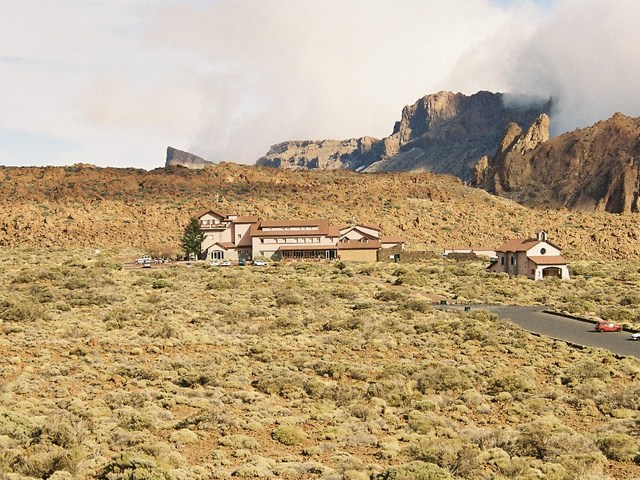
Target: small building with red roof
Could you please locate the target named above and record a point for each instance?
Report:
(536, 258)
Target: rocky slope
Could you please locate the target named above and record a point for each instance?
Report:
(442, 133)
(95, 207)
(595, 168)
(179, 158)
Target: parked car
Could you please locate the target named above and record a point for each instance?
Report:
(143, 259)
(635, 336)
(259, 263)
(146, 263)
(225, 263)
(608, 327)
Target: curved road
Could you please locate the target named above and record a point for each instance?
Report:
(535, 320)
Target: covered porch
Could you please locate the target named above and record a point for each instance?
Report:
(308, 252)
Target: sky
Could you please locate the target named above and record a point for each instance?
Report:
(114, 82)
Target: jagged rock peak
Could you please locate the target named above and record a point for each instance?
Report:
(593, 168)
(180, 158)
(444, 132)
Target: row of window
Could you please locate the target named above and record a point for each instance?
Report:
(287, 229)
(291, 240)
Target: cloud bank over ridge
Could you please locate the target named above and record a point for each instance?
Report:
(226, 79)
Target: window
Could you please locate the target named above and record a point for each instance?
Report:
(543, 251)
(239, 235)
(502, 260)
(513, 261)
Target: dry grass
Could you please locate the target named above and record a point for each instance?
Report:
(302, 371)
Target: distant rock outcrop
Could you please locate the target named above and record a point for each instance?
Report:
(443, 133)
(593, 168)
(177, 157)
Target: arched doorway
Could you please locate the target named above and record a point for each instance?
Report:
(551, 272)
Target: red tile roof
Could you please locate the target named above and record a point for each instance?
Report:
(518, 245)
(548, 260)
(294, 223)
(215, 212)
(392, 239)
(246, 219)
(357, 245)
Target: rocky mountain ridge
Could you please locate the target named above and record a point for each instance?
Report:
(596, 168)
(444, 132)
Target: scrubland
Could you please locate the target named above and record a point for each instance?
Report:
(304, 370)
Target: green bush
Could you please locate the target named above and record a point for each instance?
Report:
(414, 471)
(617, 446)
(289, 435)
(125, 468)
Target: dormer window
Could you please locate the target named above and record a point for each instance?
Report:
(543, 251)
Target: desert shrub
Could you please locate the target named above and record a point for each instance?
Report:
(289, 435)
(416, 305)
(457, 457)
(618, 314)
(509, 382)
(15, 426)
(412, 278)
(617, 446)
(160, 283)
(239, 441)
(283, 382)
(632, 300)
(21, 310)
(439, 377)
(224, 283)
(345, 293)
(414, 471)
(288, 297)
(42, 460)
(588, 368)
(77, 283)
(41, 294)
(389, 295)
(126, 468)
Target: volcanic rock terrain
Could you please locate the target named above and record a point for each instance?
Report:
(83, 206)
(595, 168)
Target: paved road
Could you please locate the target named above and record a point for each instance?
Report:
(568, 329)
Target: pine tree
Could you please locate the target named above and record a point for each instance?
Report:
(192, 238)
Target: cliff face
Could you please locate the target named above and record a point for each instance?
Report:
(594, 168)
(443, 133)
(177, 157)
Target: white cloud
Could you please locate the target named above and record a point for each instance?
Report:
(114, 82)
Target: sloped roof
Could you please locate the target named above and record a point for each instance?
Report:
(518, 245)
(392, 239)
(357, 245)
(548, 260)
(294, 223)
(522, 244)
(246, 219)
(215, 212)
(224, 245)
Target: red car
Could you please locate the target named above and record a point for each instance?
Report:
(608, 327)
